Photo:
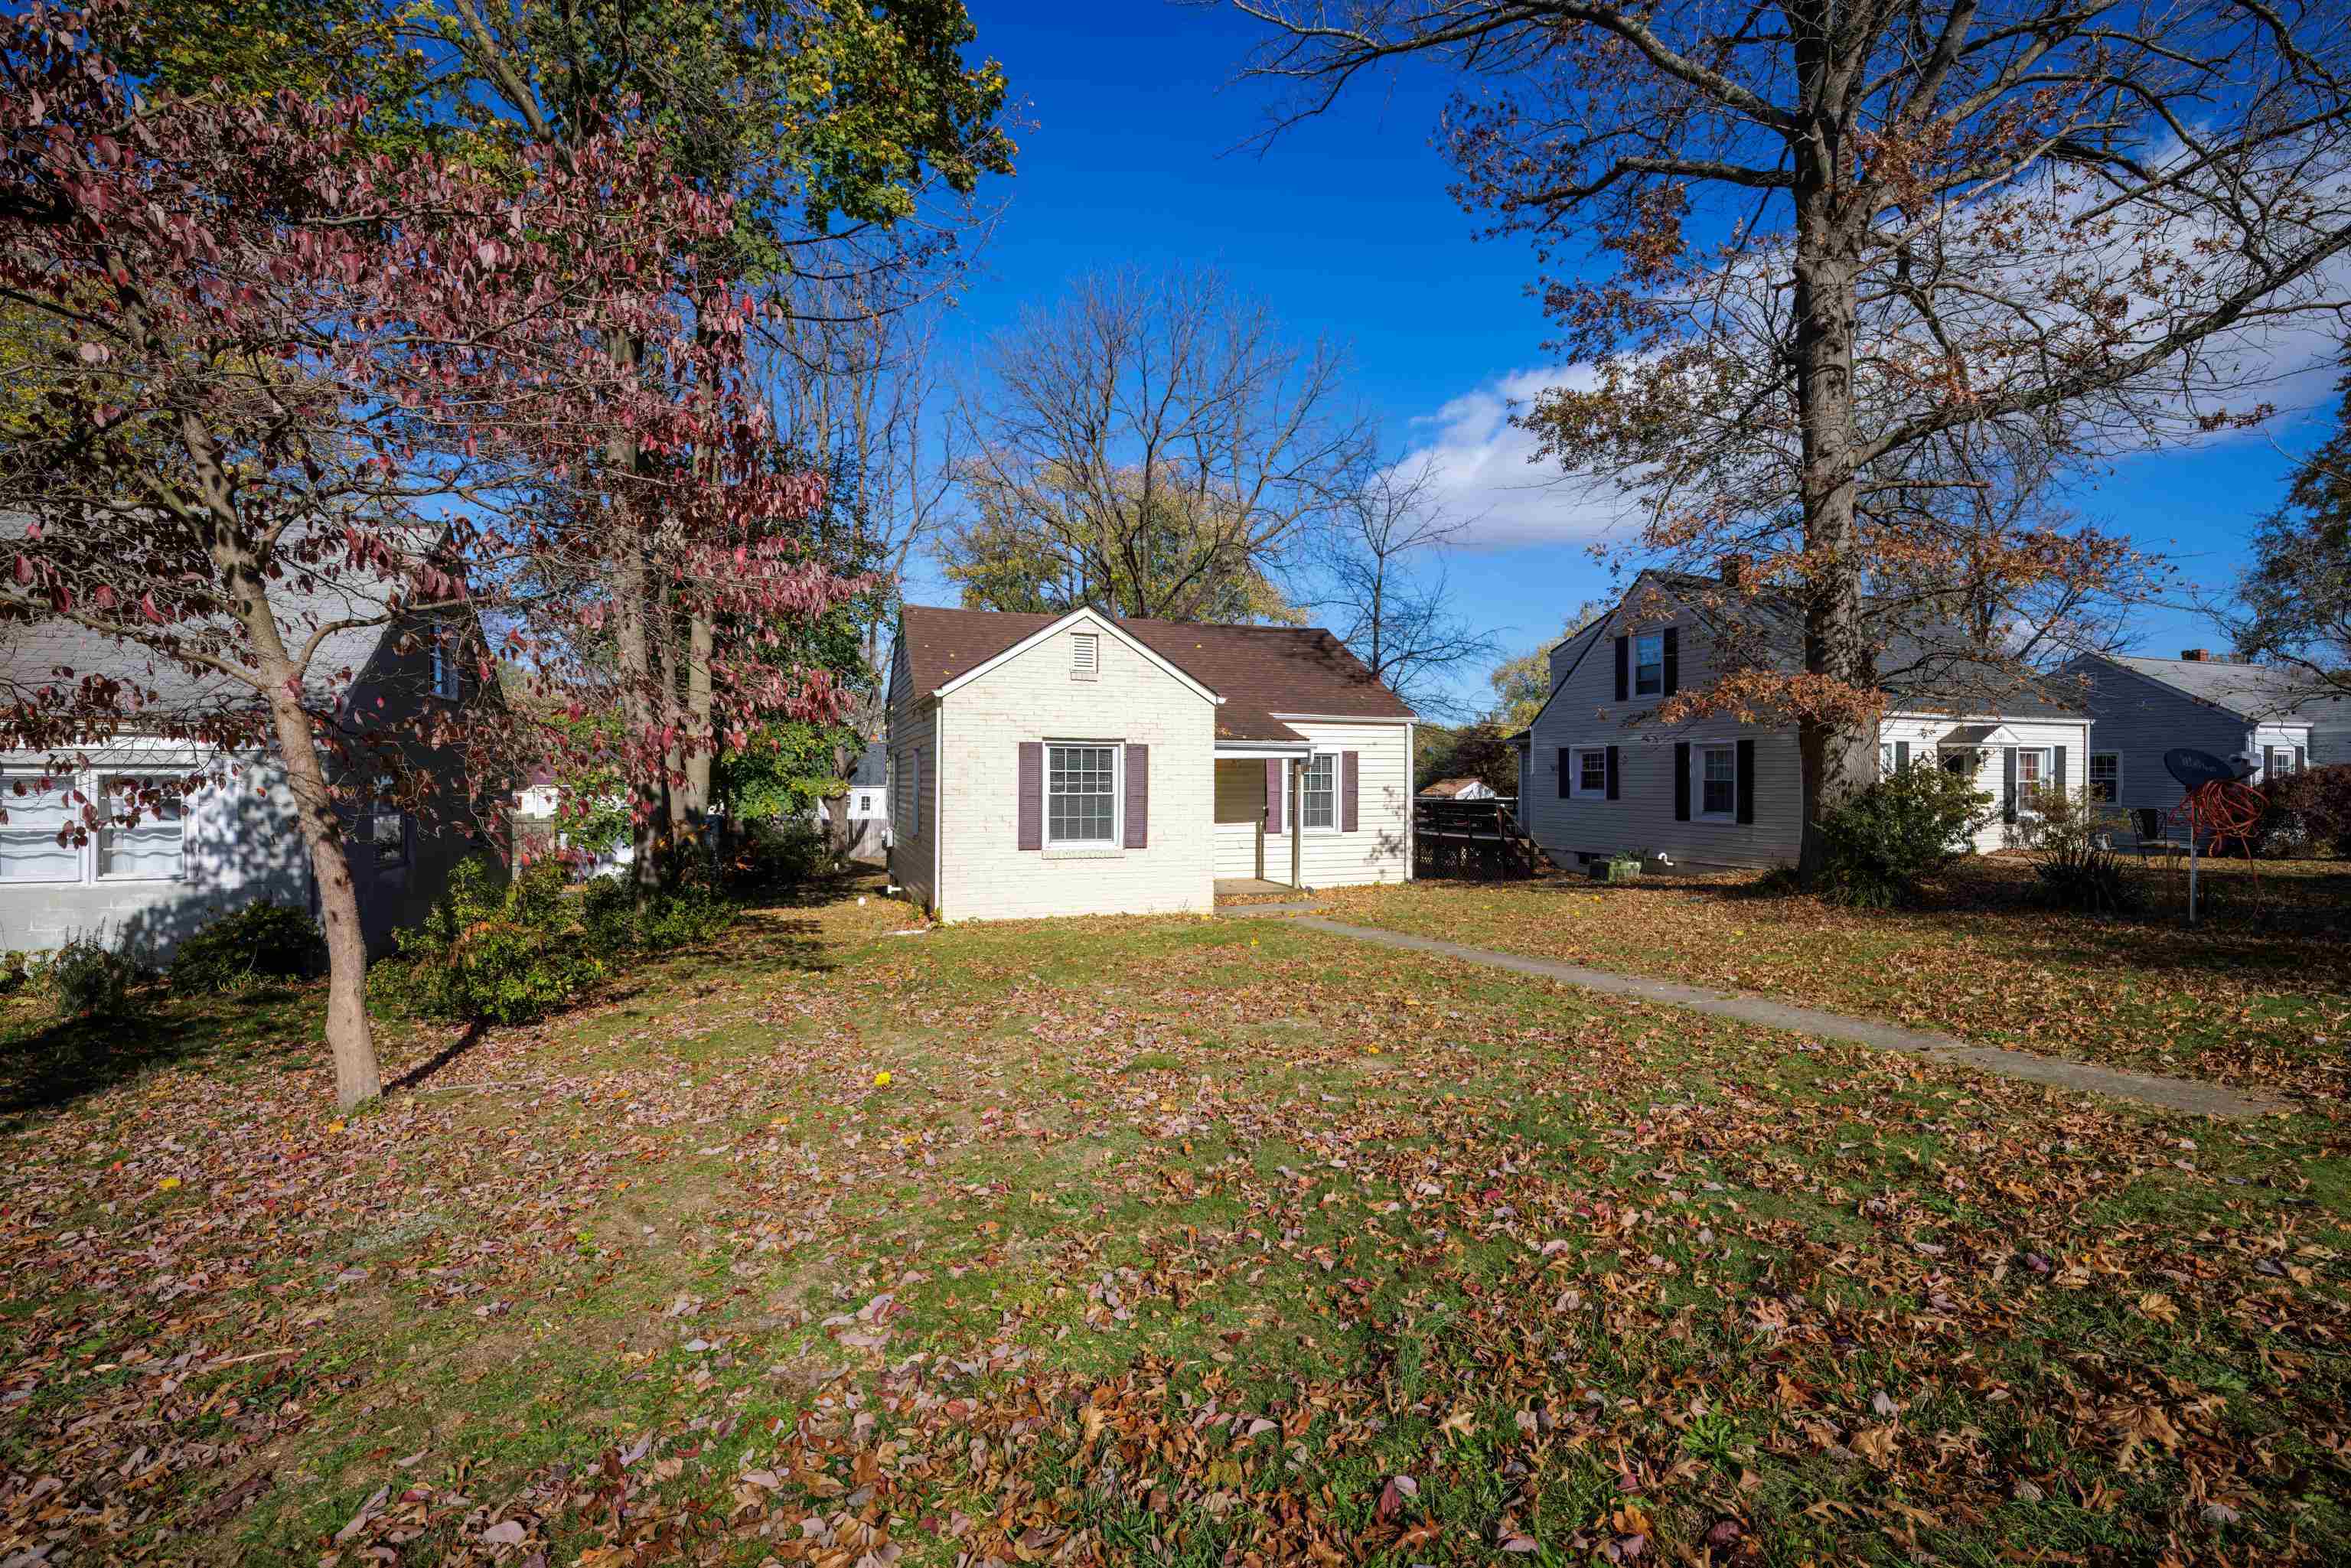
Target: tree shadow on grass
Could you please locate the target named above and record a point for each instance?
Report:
(47, 1062)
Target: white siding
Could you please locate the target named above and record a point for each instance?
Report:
(241, 845)
(1379, 850)
(1992, 770)
(1131, 700)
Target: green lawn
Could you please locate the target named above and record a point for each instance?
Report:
(2260, 993)
(1168, 1240)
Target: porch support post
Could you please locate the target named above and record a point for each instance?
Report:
(1294, 804)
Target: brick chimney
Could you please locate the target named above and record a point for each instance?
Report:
(2196, 655)
(1733, 568)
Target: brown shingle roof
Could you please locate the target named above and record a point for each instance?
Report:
(1257, 670)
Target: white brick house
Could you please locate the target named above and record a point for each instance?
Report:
(1079, 764)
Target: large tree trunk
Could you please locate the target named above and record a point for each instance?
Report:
(697, 743)
(351, 1041)
(636, 615)
(349, 1038)
(1827, 270)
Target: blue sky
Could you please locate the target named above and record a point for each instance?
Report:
(1132, 155)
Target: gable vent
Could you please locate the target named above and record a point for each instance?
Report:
(1085, 655)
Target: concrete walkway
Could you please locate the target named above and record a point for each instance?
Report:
(2187, 1094)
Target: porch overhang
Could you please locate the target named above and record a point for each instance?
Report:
(1276, 750)
(1977, 738)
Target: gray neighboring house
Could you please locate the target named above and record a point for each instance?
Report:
(1599, 773)
(234, 840)
(2145, 706)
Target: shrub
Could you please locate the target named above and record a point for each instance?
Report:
(780, 852)
(89, 979)
(1886, 841)
(2073, 859)
(491, 952)
(2319, 798)
(615, 922)
(265, 941)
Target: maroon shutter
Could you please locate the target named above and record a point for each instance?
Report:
(1349, 771)
(1293, 786)
(1138, 797)
(1273, 795)
(1031, 809)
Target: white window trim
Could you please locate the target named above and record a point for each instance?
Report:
(1576, 789)
(1337, 823)
(1117, 839)
(1698, 749)
(1658, 637)
(2090, 778)
(10, 800)
(2027, 788)
(91, 783)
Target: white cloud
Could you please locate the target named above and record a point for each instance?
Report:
(1483, 467)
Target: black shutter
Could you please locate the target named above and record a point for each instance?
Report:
(1623, 668)
(1901, 755)
(2008, 784)
(1612, 773)
(2301, 758)
(2057, 768)
(1746, 781)
(1681, 782)
(1673, 661)
(1566, 760)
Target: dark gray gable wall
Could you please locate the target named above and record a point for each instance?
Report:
(2141, 720)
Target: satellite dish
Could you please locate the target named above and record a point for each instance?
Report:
(2196, 769)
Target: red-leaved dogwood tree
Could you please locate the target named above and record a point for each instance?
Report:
(302, 388)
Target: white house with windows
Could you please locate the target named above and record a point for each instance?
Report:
(106, 840)
(1602, 770)
(1081, 764)
(2267, 721)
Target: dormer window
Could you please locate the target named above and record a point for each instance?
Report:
(1649, 664)
(1085, 655)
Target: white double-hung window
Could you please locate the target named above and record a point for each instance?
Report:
(1081, 793)
(1591, 773)
(1318, 793)
(1718, 776)
(29, 849)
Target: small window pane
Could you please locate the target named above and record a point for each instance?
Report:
(2028, 768)
(1080, 802)
(1321, 792)
(1591, 772)
(29, 850)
